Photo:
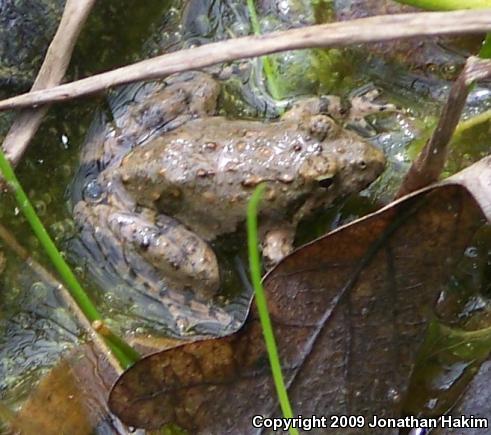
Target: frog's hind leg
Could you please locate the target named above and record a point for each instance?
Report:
(305, 108)
(362, 103)
(182, 259)
(172, 103)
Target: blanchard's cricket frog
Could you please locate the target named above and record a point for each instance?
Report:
(172, 176)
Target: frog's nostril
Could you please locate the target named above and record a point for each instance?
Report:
(145, 242)
(362, 164)
(326, 182)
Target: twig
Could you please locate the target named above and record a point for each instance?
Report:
(429, 164)
(373, 29)
(49, 279)
(51, 74)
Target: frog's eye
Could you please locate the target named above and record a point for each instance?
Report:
(325, 182)
(93, 192)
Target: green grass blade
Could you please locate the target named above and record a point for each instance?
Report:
(269, 65)
(447, 5)
(255, 266)
(121, 352)
(485, 52)
(256, 28)
(28, 210)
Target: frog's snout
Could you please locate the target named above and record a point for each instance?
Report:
(366, 165)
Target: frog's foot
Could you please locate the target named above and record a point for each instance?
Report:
(364, 103)
(277, 244)
(184, 260)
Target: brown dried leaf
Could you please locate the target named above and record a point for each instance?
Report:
(70, 399)
(349, 313)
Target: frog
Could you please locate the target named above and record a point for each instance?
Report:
(173, 174)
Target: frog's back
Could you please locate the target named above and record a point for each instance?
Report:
(204, 172)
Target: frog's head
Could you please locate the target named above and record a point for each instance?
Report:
(359, 165)
(344, 163)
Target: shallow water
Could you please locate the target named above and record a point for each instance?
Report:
(34, 328)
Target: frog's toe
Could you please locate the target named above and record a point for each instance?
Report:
(277, 244)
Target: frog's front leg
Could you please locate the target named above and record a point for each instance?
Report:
(183, 259)
(276, 242)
